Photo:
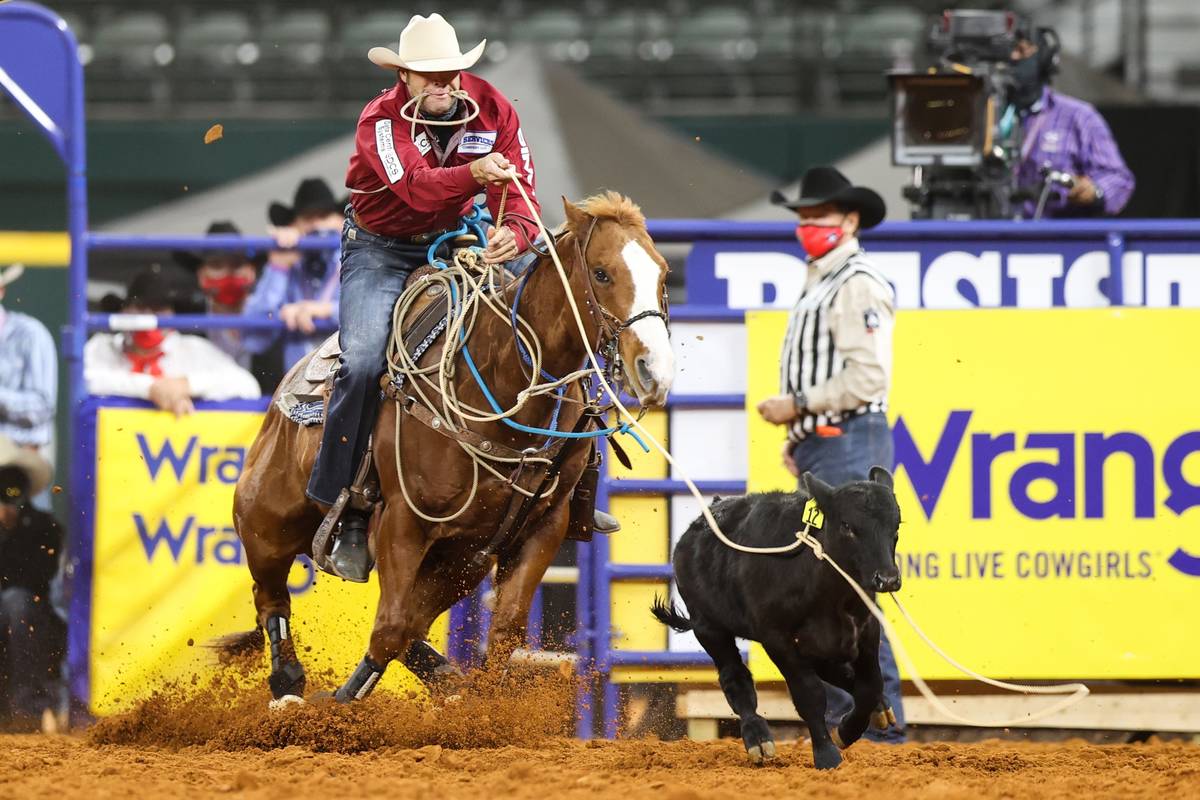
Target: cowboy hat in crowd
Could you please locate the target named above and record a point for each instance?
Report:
(313, 196)
(33, 465)
(194, 260)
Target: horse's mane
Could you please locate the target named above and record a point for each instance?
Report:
(615, 206)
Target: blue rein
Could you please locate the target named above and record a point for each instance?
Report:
(473, 223)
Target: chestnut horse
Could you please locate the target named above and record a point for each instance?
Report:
(425, 567)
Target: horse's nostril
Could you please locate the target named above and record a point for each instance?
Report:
(643, 370)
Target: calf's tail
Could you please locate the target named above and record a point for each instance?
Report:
(664, 611)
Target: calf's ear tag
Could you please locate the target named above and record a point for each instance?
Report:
(812, 515)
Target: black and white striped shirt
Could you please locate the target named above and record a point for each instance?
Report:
(819, 341)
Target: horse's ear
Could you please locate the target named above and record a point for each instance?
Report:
(577, 218)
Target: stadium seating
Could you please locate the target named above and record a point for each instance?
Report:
(661, 55)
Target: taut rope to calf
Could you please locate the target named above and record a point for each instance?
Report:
(1077, 690)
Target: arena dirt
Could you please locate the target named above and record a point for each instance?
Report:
(508, 740)
(36, 766)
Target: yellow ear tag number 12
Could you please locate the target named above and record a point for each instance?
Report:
(812, 515)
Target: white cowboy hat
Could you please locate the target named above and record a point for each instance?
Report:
(37, 468)
(10, 274)
(427, 44)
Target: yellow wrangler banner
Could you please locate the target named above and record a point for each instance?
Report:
(1048, 475)
(169, 571)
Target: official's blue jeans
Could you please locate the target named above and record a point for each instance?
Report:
(374, 271)
(866, 441)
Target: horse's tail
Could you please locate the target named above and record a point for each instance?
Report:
(236, 646)
(664, 611)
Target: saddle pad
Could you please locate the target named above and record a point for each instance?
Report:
(303, 409)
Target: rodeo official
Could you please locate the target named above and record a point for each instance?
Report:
(836, 364)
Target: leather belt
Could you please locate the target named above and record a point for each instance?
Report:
(419, 238)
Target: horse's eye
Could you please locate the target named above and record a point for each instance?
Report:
(602, 276)
(846, 529)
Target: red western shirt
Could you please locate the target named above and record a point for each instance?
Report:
(403, 186)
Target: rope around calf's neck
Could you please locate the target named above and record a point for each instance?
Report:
(1078, 690)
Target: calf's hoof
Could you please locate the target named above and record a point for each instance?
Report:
(763, 751)
(826, 756)
(756, 735)
(837, 738)
(883, 719)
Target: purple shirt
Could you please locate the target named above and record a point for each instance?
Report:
(1069, 135)
(279, 286)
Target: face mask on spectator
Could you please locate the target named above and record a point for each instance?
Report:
(229, 290)
(1027, 81)
(148, 340)
(818, 240)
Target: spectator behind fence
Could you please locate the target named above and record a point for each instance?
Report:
(226, 277)
(1063, 136)
(299, 287)
(31, 635)
(28, 378)
(166, 367)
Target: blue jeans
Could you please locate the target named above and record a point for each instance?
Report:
(866, 441)
(374, 271)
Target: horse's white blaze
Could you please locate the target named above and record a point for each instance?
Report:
(652, 331)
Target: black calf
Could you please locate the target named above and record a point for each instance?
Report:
(809, 621)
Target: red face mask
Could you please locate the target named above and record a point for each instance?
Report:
(148, 340)
(230, 290)
(818, 240)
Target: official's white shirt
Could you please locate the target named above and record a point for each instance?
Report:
(211, 374)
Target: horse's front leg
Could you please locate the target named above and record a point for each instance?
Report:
(401, 547)
(518, 575)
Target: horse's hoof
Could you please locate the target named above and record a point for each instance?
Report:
(287, 700)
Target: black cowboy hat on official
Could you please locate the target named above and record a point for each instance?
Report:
(821, 185)
(36, 468)
(194, 261)
(313, 195)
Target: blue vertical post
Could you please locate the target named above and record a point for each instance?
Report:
(602, 614)
(40, 71)
(584, 640)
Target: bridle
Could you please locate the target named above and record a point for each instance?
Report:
(610, 325)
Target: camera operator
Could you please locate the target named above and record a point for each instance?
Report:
(1069, 164)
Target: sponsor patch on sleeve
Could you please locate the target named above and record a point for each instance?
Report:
(387, 150)
(422, 143)
(477, 142)
(871, 319)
